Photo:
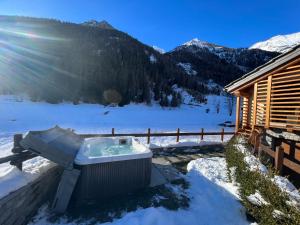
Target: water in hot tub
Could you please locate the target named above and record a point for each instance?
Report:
(97, 149)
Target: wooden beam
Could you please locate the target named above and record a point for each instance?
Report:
(237, 114)
(268, 102)
(279, 155)
(254, 105)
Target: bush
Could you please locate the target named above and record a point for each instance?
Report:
(253, 181)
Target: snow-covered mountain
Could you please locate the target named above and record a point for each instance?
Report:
(279, 43)
(158, 49)
(102, 24)
(216, 62)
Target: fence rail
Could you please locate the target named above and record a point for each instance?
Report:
(176, 134)
(20, 155)
(279, 158)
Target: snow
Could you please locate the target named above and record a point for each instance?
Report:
(11, 178)
(279, 43)
(158, 49)
(212, 201)
(19, 115)
(257, 199)
(152, 58)
(187, 67)
(286, 186)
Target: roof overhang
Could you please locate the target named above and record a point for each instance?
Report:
(264, 69)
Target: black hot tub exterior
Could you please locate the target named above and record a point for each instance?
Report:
(104, 180)
(108, 176)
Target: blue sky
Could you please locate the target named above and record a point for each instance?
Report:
(169, 23)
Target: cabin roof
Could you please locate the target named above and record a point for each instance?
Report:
(263, 69)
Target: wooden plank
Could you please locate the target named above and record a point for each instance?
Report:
(284, 73)
(290, 111)
(279, 155)
(148, 136)
(285, 119)
(285, 85)
(237, 114)
(286, 98)
(287, 90)
(284, 106)
(292, 67)
(285, 81)
(254, 105)
(267, 119)
(222, 134)
(267, 150)
(285, 94)
(292, 165)
(285, 103)
(113, 131)
(157, 134)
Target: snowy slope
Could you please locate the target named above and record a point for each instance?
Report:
(279, 43)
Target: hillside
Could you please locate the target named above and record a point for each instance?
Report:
(218, 63)
(95, 63)
(55, 61)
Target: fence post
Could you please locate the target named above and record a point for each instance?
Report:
(202, 134)
(222, 134)
(178, 133)
(113, 131)
(17, 147)
(148, 136)
(279, 154)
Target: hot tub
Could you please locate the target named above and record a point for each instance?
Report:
(111, 166)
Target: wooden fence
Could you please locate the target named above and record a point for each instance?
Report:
(176, 134)
(279, 158)
(19, 154)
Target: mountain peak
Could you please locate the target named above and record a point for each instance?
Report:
(195, 42)
(102, 24)
(278, 43)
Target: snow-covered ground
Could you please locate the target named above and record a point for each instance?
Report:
(19, 115)
(213, 201)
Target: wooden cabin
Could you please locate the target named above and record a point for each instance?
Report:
(268, 100)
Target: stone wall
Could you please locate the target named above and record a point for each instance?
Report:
(19, 206)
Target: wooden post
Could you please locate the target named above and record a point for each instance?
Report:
(202, 134)
(148, 136)
(268, 102)
(178, 133)
(17, 147)
(254, 105)
(113, 131)
(238, 112)
(279, 154)
(222, 134)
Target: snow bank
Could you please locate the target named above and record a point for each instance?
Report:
(12, 179)
(213, 201)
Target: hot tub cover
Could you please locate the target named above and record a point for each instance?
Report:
(56, 144)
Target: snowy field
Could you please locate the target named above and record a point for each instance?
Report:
(19, 115)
